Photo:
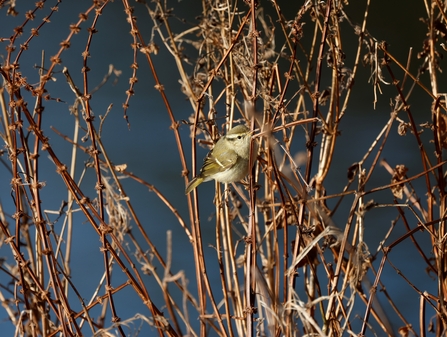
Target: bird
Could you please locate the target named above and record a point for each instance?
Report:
(229, 159)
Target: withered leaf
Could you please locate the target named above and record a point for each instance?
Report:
(399, 174)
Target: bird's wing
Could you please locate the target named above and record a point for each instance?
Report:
(211, 165)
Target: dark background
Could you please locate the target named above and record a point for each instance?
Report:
(149, 150)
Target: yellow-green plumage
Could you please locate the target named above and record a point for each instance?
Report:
(193, 184)
(228, 161)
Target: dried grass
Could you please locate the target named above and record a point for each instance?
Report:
(293, 271)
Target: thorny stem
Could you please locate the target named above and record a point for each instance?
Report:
(239, 75)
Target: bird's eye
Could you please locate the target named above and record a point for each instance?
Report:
(239, 137)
